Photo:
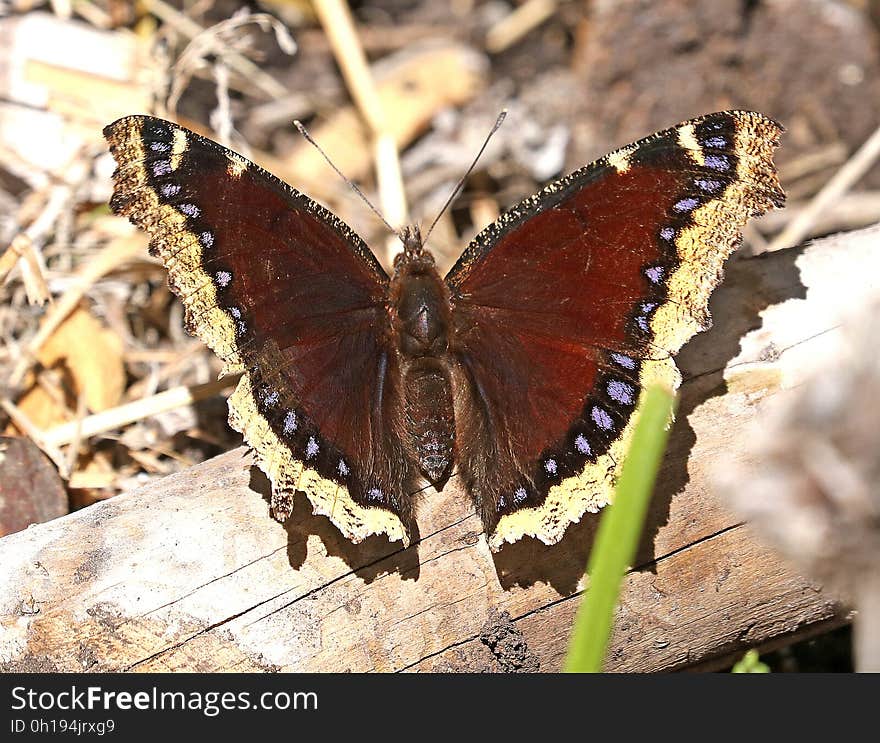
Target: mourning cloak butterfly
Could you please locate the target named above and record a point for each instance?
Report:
(522, 368)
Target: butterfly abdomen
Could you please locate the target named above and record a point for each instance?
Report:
(429, 420)
(420, 319)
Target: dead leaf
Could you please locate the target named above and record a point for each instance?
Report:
(93, 355)
(86, 359)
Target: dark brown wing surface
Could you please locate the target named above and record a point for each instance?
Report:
(286, 293)
(574, 300)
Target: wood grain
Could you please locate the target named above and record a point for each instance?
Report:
(191, 573)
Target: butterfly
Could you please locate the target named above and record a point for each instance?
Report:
(519, 371)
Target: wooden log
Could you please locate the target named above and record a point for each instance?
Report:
(191, 573)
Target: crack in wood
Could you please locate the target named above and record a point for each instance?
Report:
(748, 362)
(317, 589)
(208, 583)
(578, 594)
(442, 605)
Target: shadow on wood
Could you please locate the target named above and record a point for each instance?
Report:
(752, 285)
(371, 558)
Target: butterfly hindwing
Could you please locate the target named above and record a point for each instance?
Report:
(289, 296)
(574, 300)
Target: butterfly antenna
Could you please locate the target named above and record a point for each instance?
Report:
(352, 184)
(498, 122)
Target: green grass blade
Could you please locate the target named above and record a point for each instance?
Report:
(618, 535)
(750, 663)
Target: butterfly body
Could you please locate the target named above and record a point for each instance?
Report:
(420, 319)
(519, 370)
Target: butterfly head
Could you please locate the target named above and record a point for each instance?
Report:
(413, 256)
(411, 237)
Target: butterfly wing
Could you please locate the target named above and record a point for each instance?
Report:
(288, 295)
(577, 298)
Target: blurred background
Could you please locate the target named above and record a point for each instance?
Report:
(102, 390)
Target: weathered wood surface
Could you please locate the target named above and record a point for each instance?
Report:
(192, 574)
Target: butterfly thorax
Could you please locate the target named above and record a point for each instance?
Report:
(420, 321)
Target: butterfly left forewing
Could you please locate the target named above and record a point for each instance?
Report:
(576, 299)
(288, 295)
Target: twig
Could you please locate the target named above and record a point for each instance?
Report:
(242, 65)
(96, 16)
(11, 255)
(62, 8)
(390, 181)
(517, 24)
(483, 210)
(382, 38)
(73, 450)
(109, 420)
(811, 162)
(32, 264)
(221, 116)
(52, 201)
(854, 210)
(92, 481)
(843, 180)
(338, 24)
(25, 424)
(116, 253)
(172, 362)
